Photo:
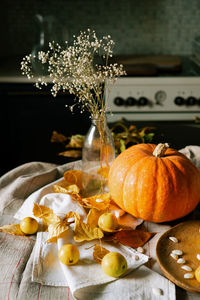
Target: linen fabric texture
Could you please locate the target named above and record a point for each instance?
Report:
(17, 255)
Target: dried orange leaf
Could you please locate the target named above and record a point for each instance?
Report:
(93, 216)
(100, 202)
(69, 218)
(63, 187)
(71, 153)
(60, 186)
(85, 232)
(58, 137)
(73, 188)
(129, 221)
(133, 238)
(56, 231)
(46, 214)
(40, 210)
(76, 141)
(99, 252)
(51, 219)
(13, 229)
(59, 189)
(74, 177)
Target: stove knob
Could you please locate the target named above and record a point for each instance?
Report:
(142, 101)
(179, 101)
(119, 101)
(130, 101)
(191, 101)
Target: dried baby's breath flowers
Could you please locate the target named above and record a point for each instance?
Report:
(73, 68)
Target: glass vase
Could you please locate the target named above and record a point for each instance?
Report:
(97, 155)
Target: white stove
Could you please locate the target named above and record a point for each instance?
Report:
(154, 98)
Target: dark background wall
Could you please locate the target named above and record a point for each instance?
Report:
(137, 27)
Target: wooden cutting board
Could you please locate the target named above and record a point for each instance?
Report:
(188, 235)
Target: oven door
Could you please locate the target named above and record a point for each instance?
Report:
(171, 104)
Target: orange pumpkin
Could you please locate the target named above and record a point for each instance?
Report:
(156, 184)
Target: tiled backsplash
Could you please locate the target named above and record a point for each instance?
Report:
(137, 26)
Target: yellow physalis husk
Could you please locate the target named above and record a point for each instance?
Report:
(99, 252)
(50, 219)
(56, 226)
(41, 210)
(13, 229)
(100, 202)
(69, 218)
(46, 214)
(63, 187)
(74, 177)
(93, 216)
(72, 190)
(57, 231)
(85, 232)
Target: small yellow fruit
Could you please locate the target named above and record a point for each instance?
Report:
(114, 264)
(108, 222)
(69, 254)
(197, 274)
(29, 225)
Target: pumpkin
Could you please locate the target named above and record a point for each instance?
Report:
(154, 183)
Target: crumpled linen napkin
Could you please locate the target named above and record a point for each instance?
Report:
(47, 268)
(140, 284)
(87, 272)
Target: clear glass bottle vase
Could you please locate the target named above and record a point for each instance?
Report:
(97, 155)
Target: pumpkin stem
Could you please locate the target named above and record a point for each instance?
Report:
(160, 149)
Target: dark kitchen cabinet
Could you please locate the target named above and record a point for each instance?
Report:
(28, 117)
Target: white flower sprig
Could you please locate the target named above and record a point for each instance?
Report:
(73, 69)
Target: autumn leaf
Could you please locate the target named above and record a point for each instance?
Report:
(100, 202)
(74, 177)
(99, 252)
(69, 218)
(55, 225)
(133, 238)
(57, 230)
(76, 141)
(93, 217)
(129, 221)
(71, 153)
(46, 214)
(13, 229)
(63, 187)
(41, 210)
(58, 137)
(85, 232)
